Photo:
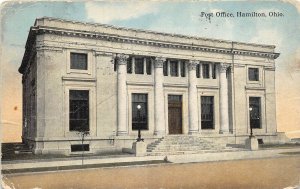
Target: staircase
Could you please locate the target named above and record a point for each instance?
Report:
(184, 144)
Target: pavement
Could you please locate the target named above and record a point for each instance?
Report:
(55, 164)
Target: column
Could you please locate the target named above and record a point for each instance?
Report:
(122, 101)
(224, 127)
(193, 102)
(159, 128)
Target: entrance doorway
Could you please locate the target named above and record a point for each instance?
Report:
(175, 114)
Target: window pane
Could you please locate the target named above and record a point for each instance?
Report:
(198, 70)
(165, 68)
(139, 65)
(79, 61)
(148, 66)
(254, 108)
(253, 74)
(182, 69)
(207, 112)
(139, 116)
(129, 65)
(205, 70)
(79, 110)
(174, 68)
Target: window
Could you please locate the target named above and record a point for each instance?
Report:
(174, 68)
(214, 71)
(182, 69)
(80, 147)
(148, 66)
(207, 112)
(165, 68)
(254, 108)
(205, 70)
(139, 65)
(253, 74)
(79, 110)
(198, 70)
(129, 65)
(79, 61)
(139, 111)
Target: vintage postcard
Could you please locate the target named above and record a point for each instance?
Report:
(150, 94)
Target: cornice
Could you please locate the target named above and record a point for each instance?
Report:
(143, 41)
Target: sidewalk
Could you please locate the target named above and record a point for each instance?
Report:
(55, 164)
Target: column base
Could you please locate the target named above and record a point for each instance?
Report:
(193, 132)
(160, 133)
(121, 133)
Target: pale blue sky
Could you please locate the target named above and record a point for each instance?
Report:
(171, 17)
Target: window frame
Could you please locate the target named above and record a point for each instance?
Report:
(212, 111)
(256, 75)
(133, 105)
(88, 114)
(204, 76)
(73, 63)
(90, 63)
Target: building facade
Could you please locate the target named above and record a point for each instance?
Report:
(108, 82)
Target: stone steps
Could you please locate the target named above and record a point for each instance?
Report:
(182, 144)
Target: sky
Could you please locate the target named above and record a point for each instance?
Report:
(181, 17)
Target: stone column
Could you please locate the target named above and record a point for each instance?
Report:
(224, 127)
(122, 93)
(159, 128)
(193, 102)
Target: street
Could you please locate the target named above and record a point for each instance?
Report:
(259, 173)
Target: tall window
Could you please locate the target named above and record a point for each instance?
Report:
(214, 71)
(205, 70)
(79, 110)
(182, 68)
(198, 70)
(165, 68)
(139, 65)
(139, 111)
(174, 68)
(79, 61)
(148, 66)
(255, 112)
(207, 112)
(129, 65)
(253, 74)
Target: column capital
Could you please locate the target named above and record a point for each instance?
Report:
(122, 59)
(192, 64)
(224, 67)
(159, 62)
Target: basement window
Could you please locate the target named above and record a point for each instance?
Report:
(80, 147)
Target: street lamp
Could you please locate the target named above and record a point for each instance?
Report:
(139, 122)
(251, 133)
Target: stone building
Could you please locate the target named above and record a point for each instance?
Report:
(111, 81)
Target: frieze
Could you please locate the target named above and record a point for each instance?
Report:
(122, 39)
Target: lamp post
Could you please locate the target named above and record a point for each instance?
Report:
(139, 122)
(251, 132)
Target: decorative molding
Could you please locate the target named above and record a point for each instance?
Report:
(224, 67)
(64, 78)
(139, 83)
(254, 88)
(159, 62)
(175, 85)
(122, 59)
(163, 44)
(192, 64)
(207, 87)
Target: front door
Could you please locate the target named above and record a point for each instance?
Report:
(175, 114)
